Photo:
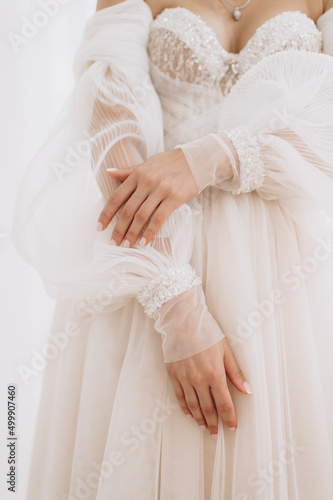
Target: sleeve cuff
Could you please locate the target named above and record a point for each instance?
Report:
(251, 160)
(167, 286)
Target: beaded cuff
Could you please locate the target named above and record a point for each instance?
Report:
(251, 161)
(167, 286)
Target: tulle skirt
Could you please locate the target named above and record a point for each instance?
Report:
(109, 424)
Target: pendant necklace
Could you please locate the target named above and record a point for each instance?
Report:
(236, 11)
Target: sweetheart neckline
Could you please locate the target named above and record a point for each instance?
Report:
(255, 34)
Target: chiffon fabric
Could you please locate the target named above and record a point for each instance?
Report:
(109, 424)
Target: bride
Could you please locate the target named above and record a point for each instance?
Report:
(199, 139)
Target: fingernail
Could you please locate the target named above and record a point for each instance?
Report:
(127, 244)
(142, 242)
(214, 436)
(203, 427)
(111, 169)
(99, 226)
(232, 429)
(189, 416)
(248, 388)
(113, 243)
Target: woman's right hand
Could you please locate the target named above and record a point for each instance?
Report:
(200, 385)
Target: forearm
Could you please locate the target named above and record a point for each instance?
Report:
(212, 160)
(231, 159)
(115, 136)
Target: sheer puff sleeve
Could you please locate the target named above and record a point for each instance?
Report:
(113, 119)
(275, 136)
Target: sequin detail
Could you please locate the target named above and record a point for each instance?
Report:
(251, 160)
(184, 47)
(167, 286)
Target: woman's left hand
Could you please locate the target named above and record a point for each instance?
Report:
(149, 193)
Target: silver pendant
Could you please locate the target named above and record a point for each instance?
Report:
(236, 14)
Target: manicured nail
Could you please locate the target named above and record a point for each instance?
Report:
(127, 244)
(113, 243)
(203, 427)
(111, 169)
(248, 388)
(232, 429)
(189, 416)
(214, 436)
(99, 226)
(142, 242)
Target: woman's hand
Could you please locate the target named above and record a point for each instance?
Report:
(149, 193)
(200, 385)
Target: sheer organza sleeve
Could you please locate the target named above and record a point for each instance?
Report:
(112, 119)
(275, 137)
(325, 25)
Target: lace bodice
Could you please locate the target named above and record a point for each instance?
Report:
(182, 46)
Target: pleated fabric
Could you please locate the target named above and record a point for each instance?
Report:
(109, 424)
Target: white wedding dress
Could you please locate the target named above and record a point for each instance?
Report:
(109, 425)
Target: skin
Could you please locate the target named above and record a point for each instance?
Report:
(149, 192)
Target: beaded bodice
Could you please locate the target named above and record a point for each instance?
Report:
(182, 46)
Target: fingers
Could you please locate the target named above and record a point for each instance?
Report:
(126, 215)
(120, 174)
(208, 408)
(194, 405)
(138, 218)
(157, 220)
(187, 399)
(224, 404)
(139, 210)
(179, 393)
(116, 200)
(234, 373)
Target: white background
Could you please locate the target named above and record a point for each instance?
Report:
(36, 79)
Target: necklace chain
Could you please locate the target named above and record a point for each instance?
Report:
(236, 14)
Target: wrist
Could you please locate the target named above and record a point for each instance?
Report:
(250, 161)
(210, 160)
(166, 287)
